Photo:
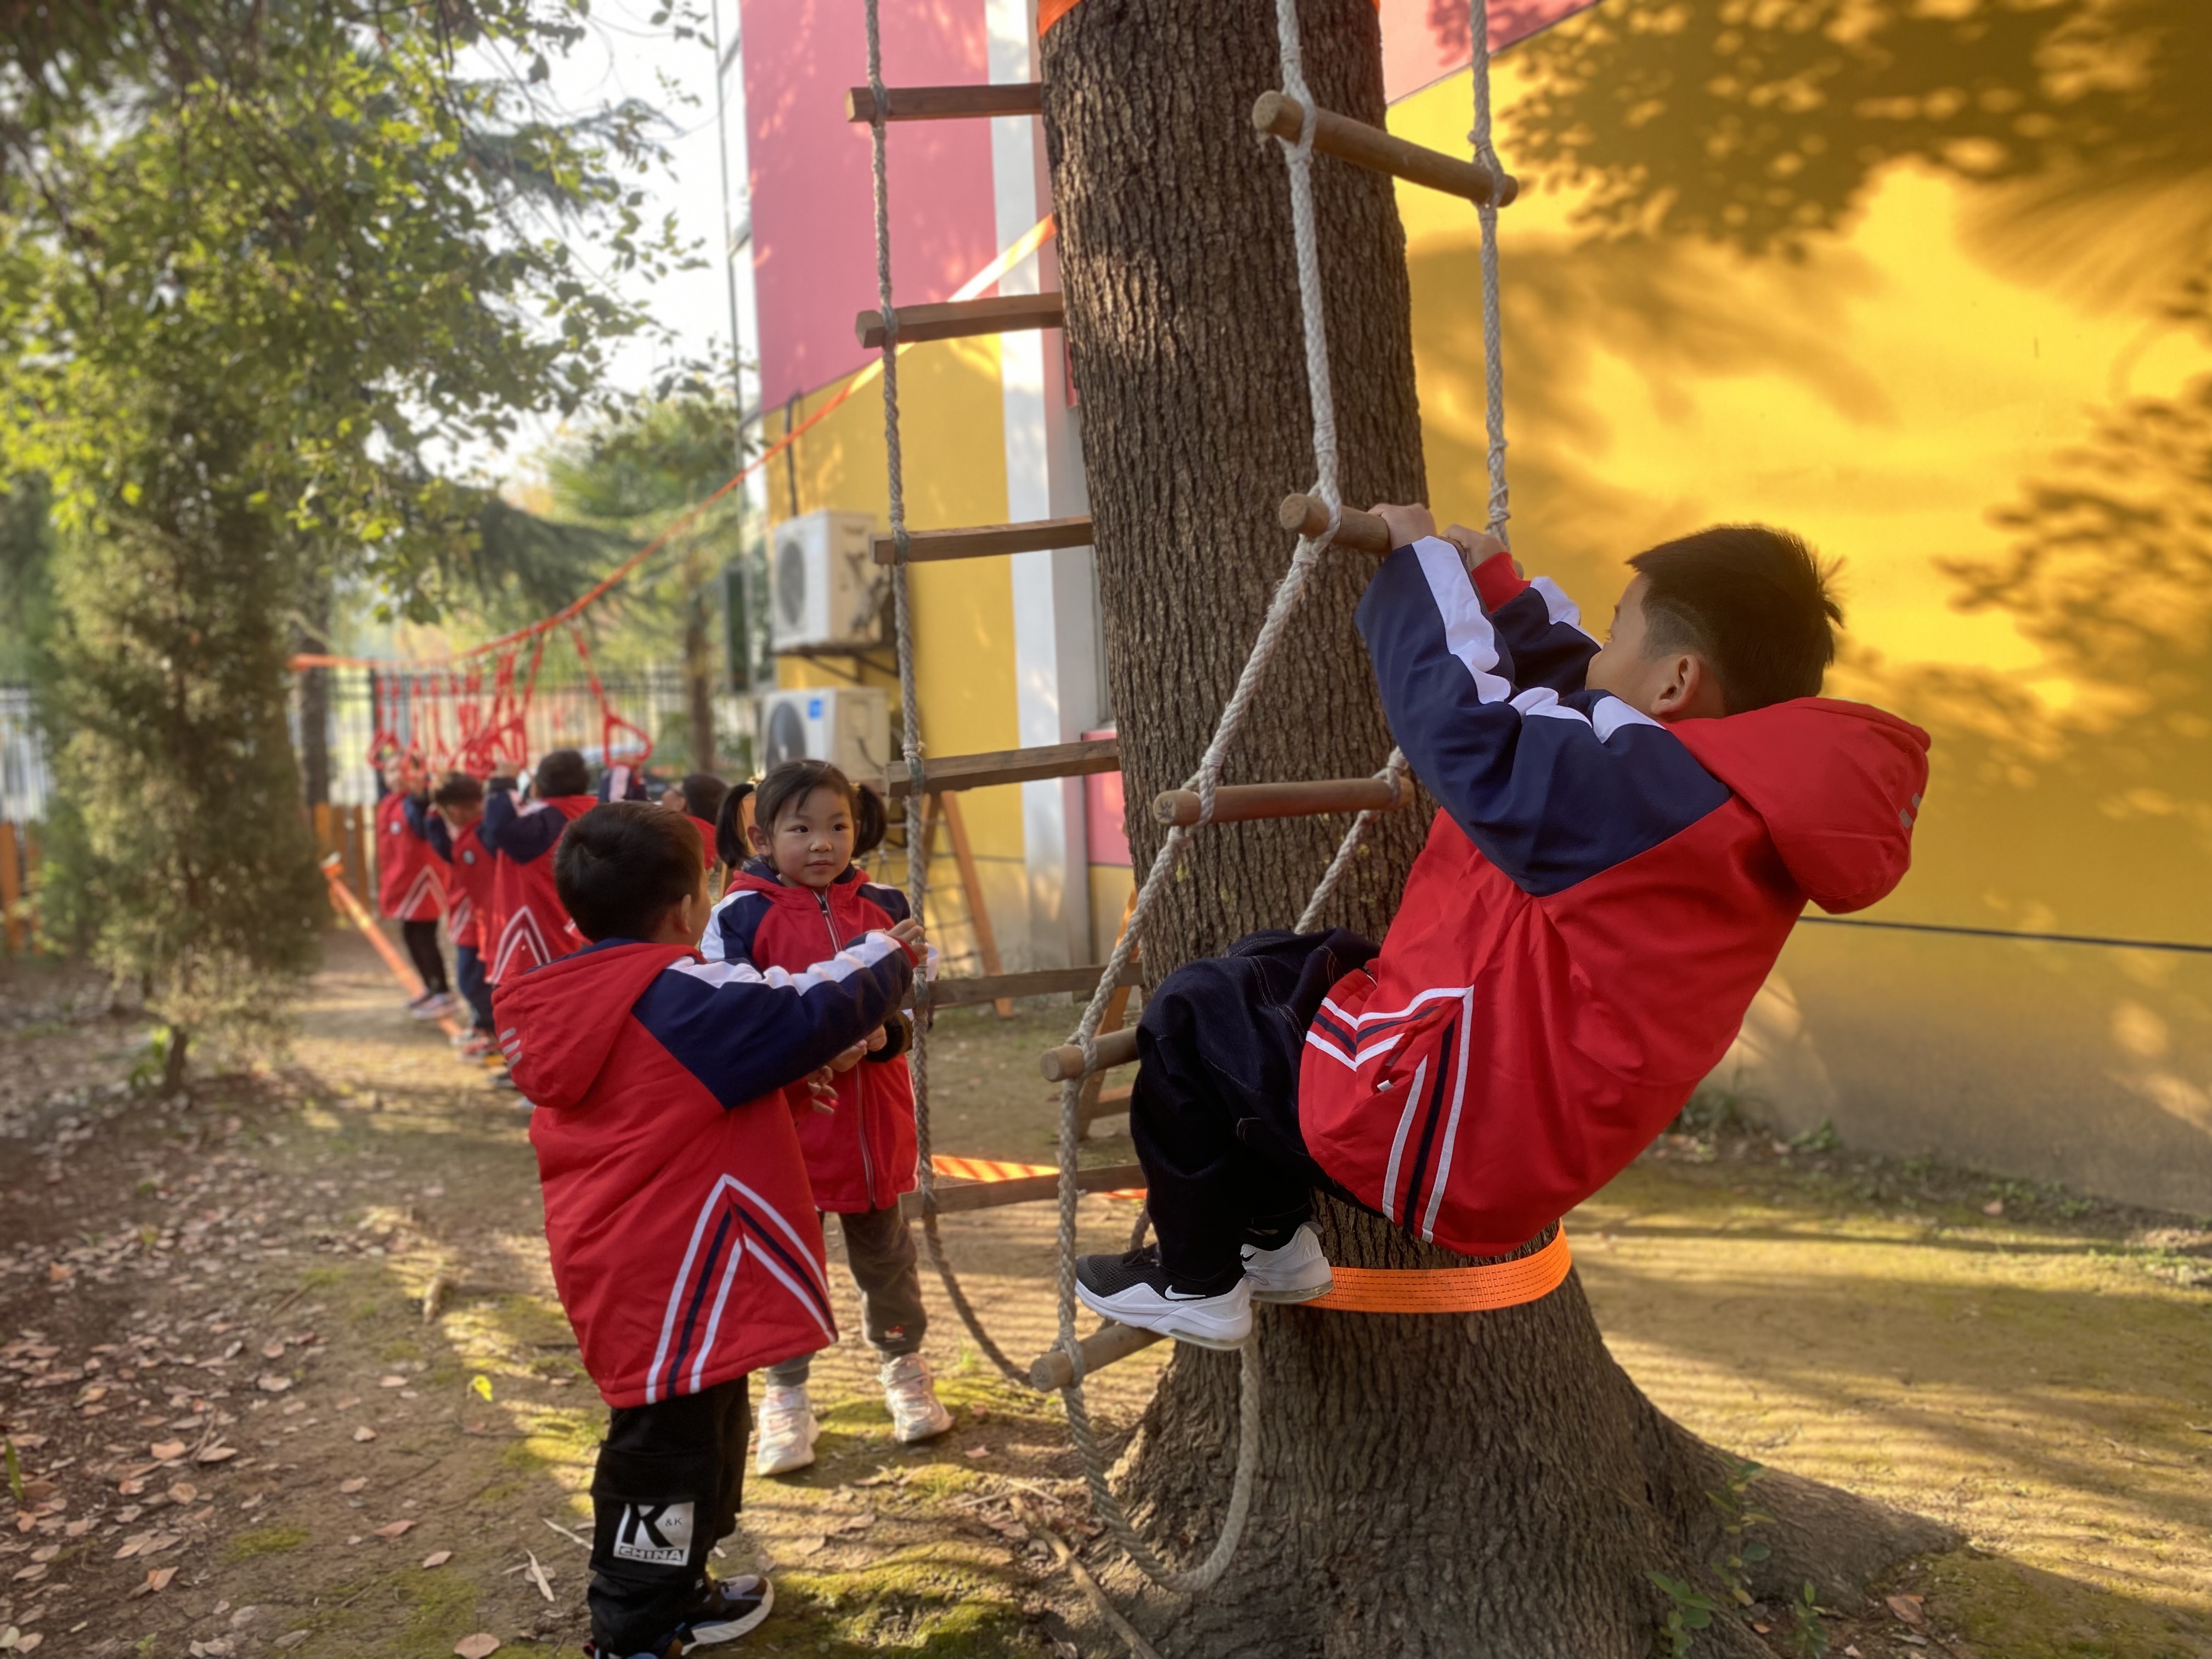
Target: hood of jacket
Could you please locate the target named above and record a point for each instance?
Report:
(1838, 784)
(558, 1024)
(758, 875)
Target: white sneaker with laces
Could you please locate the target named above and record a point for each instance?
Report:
(911, 1392)
(1295, 1272)
(1135, 1290)
(788, 1431)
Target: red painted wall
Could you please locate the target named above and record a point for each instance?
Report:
(1424, 40)
(814, 260)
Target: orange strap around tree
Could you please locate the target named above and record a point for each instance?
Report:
(1450, 1290)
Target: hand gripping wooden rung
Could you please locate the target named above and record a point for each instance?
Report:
(1064, 1063)
(947, 103)
(992, 1194)
(982, 541)
(1059, 760)
(1042, 982)
(1239, 803)
(960, 319)
(1371, 148)
(1308, 515)
(1483, 1287)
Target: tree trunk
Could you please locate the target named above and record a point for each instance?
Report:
(313, 635)
(1475, 1484)
(699, 653)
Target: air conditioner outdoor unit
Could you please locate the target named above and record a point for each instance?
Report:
(849, 725)
(825, 585)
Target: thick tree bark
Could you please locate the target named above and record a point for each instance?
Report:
(1481, 1484)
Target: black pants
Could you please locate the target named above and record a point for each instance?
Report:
(476, 990)
(670, 1481)
(1215, 1109)
(422, 937)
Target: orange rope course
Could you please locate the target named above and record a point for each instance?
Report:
(1003, 262)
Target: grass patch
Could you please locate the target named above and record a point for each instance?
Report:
(276, 1540)
(2002, 1606)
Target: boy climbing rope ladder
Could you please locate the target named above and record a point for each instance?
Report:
(1627, 834)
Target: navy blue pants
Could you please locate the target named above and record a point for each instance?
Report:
(475, 988)
(1214, 1111)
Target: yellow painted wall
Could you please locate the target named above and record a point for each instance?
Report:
(953, 447)
(1978, 375)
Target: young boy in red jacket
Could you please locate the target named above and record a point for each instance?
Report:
(684, 1238)
(408, 889)
(1627, 835)
(450, 821)
(527, 926)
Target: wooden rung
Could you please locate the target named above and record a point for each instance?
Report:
(1238, 803)
(953, 1197)
(1370, 147)
(1059, 760)
(958, 319)
(947, 103)
(1308, 515)
(1064, 1063)
(1108, 1343)
(1111, 1102)
(1044, 982)
(982, 541)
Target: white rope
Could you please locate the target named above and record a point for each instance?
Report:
(1205, 781)
(1493, 356)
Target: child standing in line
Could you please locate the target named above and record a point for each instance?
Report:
(407, 886)
(801, 895)
(684, 1243)
(528, 926)
(450, 821)
(699, 797)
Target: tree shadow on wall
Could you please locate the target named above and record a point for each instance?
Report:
(1716, 148)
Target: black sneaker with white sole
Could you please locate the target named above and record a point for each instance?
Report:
(1135, 1290)
(726, 1609)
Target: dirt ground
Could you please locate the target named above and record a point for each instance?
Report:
(238, 1427)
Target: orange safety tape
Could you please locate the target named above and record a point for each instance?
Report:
(990, 1169)
(1004, 261)
(334, 873)
(1450, 1290)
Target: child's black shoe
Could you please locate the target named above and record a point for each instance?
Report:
(1135, 1290)
(726, 1609)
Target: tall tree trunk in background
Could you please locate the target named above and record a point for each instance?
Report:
(1445, 1485)
(699, 651)
(310, 636)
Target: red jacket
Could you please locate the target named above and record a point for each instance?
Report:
(685, 1242)
(527, 926)
(407, 885)
(861, 1157)
(465, 865)
(1599, 901)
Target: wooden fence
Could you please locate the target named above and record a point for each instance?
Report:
(347, 831)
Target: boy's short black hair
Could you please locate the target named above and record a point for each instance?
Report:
(459, 789)
(1753, 601)
(622, 864)
(561, 772)
(702, 794)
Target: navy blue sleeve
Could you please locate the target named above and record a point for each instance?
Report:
(744, 1033)
(1538, 625)
(732, 926)
(889, 900)
(522, 835)
(1553, 790)
(429, 827)
(499, 814)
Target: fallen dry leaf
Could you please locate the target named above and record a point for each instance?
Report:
(391, 1381)
(1995, 1206)
(183, 1493)
(273, 1383)
(355, 1485)
(482, 1645)
(807, 1546)
(396, 1530)
(537, 1576)
(165, 1450)
(364, 1433)
(1907, 1607)
(29, 1643)
(437, 1558)
(215, 1455)
(273, 1350)
(157, 1578)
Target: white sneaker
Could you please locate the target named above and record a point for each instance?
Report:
(1295, 1272)
(788, 1431)
(1134, 1290)
(911, 1392)
(431, 1006)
